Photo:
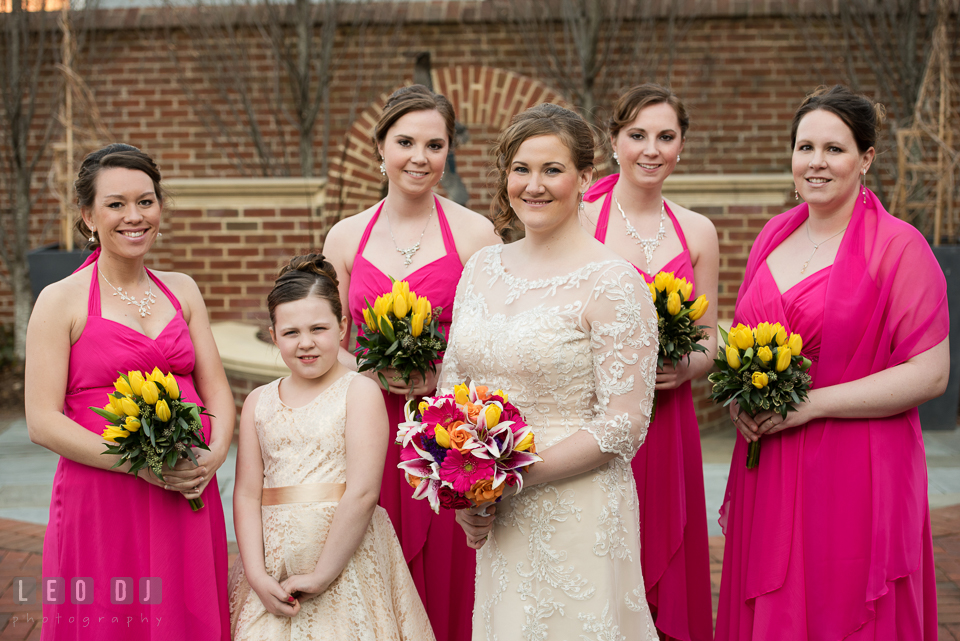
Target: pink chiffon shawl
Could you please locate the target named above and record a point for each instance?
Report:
(668, 470)
(858, 487)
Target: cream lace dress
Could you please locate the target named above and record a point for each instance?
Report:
(576, 352)
(374, 597)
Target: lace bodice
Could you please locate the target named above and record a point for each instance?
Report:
(303, 444)
(578, 351)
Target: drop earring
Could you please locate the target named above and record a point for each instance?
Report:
(383, 167)
(616, 157)
(581, 208)
(796, 195)
(863, 185)
(93, 237)
(678, 157)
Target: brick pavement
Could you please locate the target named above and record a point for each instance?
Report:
(21, 546)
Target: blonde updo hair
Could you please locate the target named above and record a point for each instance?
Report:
(302, 277)
(543, 120)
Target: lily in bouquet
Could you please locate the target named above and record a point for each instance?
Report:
(676, 318)
(149, 425)
(463, 449)
(401, 331)
(762, 369)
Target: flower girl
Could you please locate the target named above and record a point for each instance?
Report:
(318, 558)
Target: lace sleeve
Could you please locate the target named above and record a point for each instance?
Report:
(623, 337)
(450, 373)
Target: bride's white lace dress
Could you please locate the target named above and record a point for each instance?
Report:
(576, 352)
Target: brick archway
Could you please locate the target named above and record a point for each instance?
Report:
(484, 98)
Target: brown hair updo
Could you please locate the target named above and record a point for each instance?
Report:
(302, 277)
(543, 120)
(637, 98)
(860, 114)
(409, 99)
(116, 154)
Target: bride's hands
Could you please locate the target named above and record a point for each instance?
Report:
(419, 385)
(477, 527)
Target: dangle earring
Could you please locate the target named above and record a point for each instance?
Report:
(678, 157)
(383, 167)
(581, 208)
(616, 157)
(863, 185)
(796, 195)
(93, 237)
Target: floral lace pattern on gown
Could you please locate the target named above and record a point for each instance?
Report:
(576, 352)
(374, 597)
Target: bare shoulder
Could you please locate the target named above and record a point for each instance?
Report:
(471, 231)
(346, 233)
(251, 401)
(363, 389)
(65, 301)
(697, 228)
(591, 215)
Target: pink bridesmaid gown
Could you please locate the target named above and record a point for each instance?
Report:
(829, 537)
(434, 546)
(105, 525)
(668, 469)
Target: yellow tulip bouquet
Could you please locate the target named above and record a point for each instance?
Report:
(762, 369)
(400, 331)
(676, 315)
(149, 425)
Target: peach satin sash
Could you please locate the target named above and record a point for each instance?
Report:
(306, 493)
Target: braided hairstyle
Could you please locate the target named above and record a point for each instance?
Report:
(116, 154)
(545, 119)
(302, 277)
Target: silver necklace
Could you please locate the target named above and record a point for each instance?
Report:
(410, 251)
(816, 246)
(649, 245)
(143, 305)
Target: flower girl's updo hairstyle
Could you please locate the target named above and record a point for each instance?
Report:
(543, 120)
(302, 277)
(113, 155)
(407, 100)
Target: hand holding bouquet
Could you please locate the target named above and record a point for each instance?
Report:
(461, 450)
(149, 425)
(763, 370)
(400, 331)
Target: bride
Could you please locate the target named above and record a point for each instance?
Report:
(568, 329)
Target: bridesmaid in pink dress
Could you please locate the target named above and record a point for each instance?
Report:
(416, 236)
(647, 132)
(105, 523)
(829, 537)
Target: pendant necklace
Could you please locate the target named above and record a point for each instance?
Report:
(143, 305)
(410, 251)
(816, 246)
(649, 245)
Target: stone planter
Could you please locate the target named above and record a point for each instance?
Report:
(48, 265)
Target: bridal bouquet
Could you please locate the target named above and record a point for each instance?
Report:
(149, 425)
(401, 331)
(676, 315)
(461, 450)
(763, 370)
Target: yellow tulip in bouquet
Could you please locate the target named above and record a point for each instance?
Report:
(150, 425)
(676, 315)
(762, 369)
(400, 331)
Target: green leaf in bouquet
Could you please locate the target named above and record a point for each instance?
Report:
(110, 416)
(393, 348)
(192, 457)
(725, 335)
(171, 458)
(387, 330)
(383, 380)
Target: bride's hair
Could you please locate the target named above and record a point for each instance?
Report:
(543, 120)
(302, 277)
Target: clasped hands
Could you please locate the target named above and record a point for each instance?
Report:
(767, 422)
(185, 477)
(283, 598)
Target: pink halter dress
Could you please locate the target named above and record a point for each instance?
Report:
(434, 546)
(829, 537)
(105, 524)
(668, 469)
